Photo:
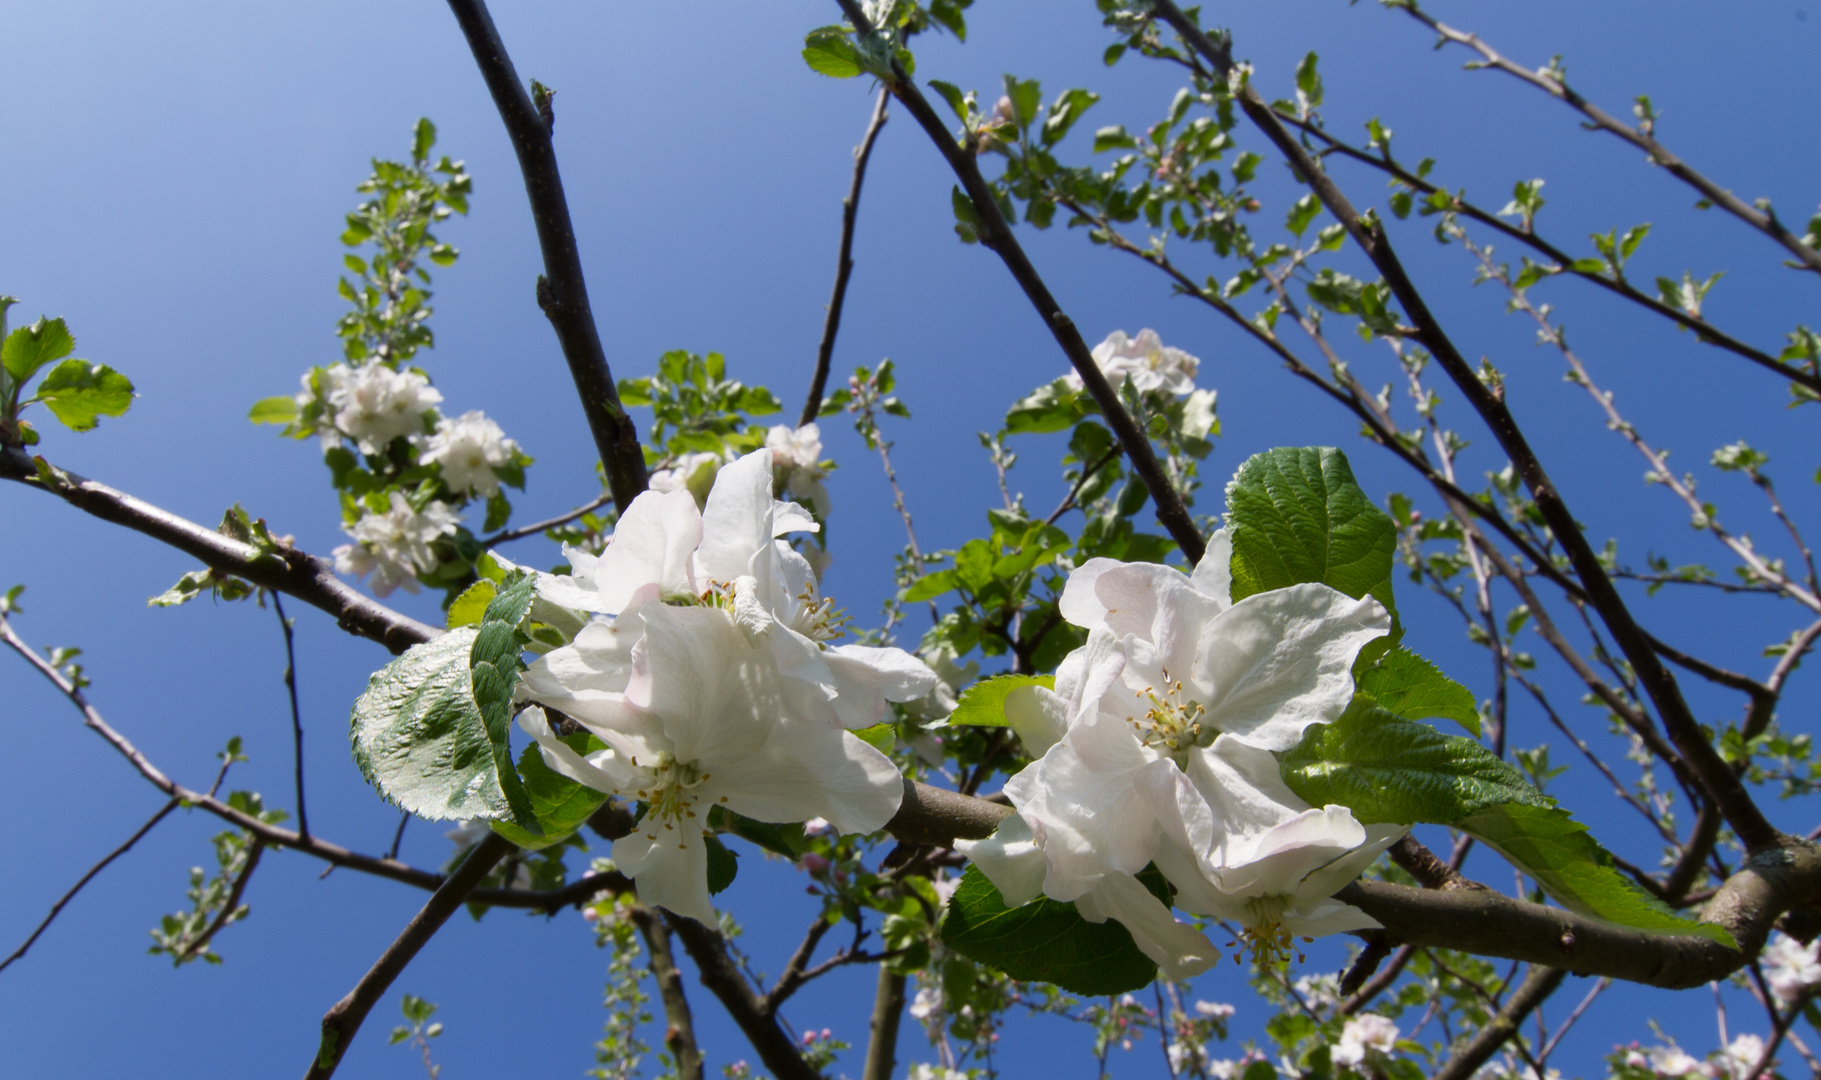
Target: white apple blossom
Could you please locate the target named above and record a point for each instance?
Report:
(925, 1071)
(1213, 1010)
(927, 1001)
(702, 723)
(797, 457)
(373, 404)
(693, 473)
(1792, 968)
(1673, 1061)
(1362, 1034)
(394, 546)
(1146, 360)
(1743, 1054)
(469, 449)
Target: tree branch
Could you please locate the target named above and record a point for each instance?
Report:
(303, 818)
(298, 573)
(888, 1011)
(995, 233)
(1747, 821)
(1641, 137)
(1536, 987)
(533, 529)
(844, 265)
(680, 1030)
(63, 900)
(342, 1021)
(722, 977)
(561, 291)
(226, 914)
(793, 975)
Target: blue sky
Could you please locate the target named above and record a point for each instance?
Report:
(176, 181)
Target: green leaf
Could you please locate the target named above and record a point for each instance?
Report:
(722, 864)
(1295, 515)
(273, 410)
(1053, 407)
(828, 52)
(1043, 941)
(1386, 768)
(1570, 865)
(881, 737)
(561, 805)
(78, 392)
(957, 101)
(1302, 212)
(983, 704)
(419, 738)
(787, 840)
(1409, 686)
(930, 586)
(471, 606)
(494, 669)
(29, 348)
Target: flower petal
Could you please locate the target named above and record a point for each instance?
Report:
(1038, 716)
(650, 545)
(1180, 950)
(670, 867)
(1010, 859)
(737, 522)
(806, 771)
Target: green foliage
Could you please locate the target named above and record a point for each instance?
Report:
(422, 1029)
(1570, 865)
(983, 705)
(494, 666)
(1044, 941)
(215, 898)
(419, 737)
(1295, 515)
(560, 804)
(696, 409)
(1389, 769)
(76, 392)
(1404, 684)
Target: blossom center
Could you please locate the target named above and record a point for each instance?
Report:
(817, 618)
(671, 797)
(1264, 935)
(1173, 723)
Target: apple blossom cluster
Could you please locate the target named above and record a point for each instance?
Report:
(1738, 1059)
(1157, 746)
(372, 406)
(707, 673)
(1145, 360)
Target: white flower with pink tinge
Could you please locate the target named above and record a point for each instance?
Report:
(394, 546)
(1146, 361)
(469, 449)
(373, 404)
(1369, 1032)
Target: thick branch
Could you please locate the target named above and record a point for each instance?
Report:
(1678, 720)
(937, 817)
(888, 1011)
(297, 573)
(1537, 986)
(722, 977)
(342, 1021)
(561, 292)
(996, 234)
(680, 1029)
(844, 264)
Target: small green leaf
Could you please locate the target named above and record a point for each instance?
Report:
(561, 805)
(1409, 686)
(1388, 769)
(828, 52)
(419, 738)
(468, 608)
(1571, 866)
(273, 410)
(1043, 941)
(930, 586)
(723, 864)
(881, 737)
(1053, 407)
(957, 101)
(78, 393)
(29, 348)
(983, 704)
(787, 840)
(495, 664)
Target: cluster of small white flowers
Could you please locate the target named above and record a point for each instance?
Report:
(925, 1071)
(394, 545)
(1793, 969)
(1157, 746)
(797, 456)
(1738, 1059)
(469, 449)
(707, 671)
(1146, 360)
(371, 404)
(1362, 1035)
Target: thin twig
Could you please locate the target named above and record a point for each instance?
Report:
(793, 975)
(398, 836)
(844, 264)
(1087, 473)
(679, 1031)
(227, 912)
(995, 234)
(722, 976)
(303, 819)
(562, 292)
(342, 1021)
(507, 535)
(1599, 987)
(1537, 986)
(86, 878)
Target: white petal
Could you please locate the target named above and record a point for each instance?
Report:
(737, 522)
(788, 517)
(715, 693)
(1328, 917)
(865, 678)
(1039, 717)
(1213, 575)
(602, 770)
(1180, 950)
(806, 771)
(1279, 661)
(670, 867)
(1010, 859)
(1331, 878)
(650, 545)
(1082, 800)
